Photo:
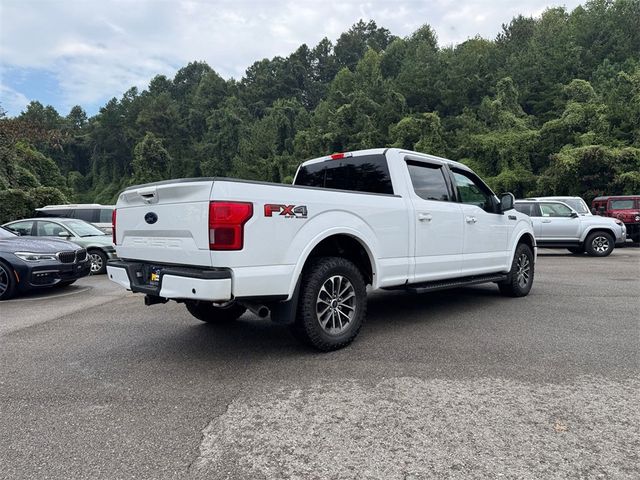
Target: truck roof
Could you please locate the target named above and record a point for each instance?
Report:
(382, 151)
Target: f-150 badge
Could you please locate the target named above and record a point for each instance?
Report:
(289, 211)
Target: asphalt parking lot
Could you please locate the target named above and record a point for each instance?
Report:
(457, 384)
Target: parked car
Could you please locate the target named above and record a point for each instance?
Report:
(625, 208)
(577, 203)
(98, 244)
(304, 253)
(36, 263)
(94, 213)
(557, 225)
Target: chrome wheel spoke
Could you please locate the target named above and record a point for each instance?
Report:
(335, 305)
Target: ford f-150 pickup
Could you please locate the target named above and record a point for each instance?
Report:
(305, 253)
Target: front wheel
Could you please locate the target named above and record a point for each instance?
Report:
(520, 278)
(212, 313)
(599, 244)
(332, 305)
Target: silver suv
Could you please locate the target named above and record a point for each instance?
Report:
(557, 225)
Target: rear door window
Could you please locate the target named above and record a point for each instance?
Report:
(428, 181)
(527, 209)
(367, 173)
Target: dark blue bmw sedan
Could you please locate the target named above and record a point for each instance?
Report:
(28, 263)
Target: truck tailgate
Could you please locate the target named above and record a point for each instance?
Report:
(165, 223)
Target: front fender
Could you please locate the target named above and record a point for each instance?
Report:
(521, 229)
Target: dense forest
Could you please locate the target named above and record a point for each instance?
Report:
(550, 106)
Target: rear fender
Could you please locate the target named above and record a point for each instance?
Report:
(308, 238)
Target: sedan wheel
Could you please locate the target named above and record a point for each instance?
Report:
(7, 282)
(98, 262)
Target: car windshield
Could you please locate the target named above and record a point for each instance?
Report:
(576, 203)
(4, 233)
(83, 229)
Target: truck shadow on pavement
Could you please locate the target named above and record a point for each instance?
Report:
(388, 312)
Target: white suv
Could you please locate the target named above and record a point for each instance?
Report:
(557, 225)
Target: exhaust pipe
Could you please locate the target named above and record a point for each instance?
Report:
(153, 299)
(262, 311)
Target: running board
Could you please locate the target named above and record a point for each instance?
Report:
(455, 282)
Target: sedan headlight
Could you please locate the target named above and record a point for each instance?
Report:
(35, 257)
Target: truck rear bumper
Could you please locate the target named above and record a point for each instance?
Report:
(176, 283)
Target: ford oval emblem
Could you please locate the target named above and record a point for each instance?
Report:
(151, 218)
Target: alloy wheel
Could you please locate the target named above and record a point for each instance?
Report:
(336, 305)
(4, 280)
(600, 244)
(96, 262)
(523, 270)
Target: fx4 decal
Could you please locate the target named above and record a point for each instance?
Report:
(288, 211)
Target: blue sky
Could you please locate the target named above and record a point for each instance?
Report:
(68, 52)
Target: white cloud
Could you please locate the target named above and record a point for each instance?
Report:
(11, 100)
(98, 49)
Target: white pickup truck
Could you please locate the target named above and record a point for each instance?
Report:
(305, 253)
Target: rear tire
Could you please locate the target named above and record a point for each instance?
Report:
(7, 282)
(576, 250)
(520, 279)
(599, 244)
(210, 313)
(98, 262)
(332, 305)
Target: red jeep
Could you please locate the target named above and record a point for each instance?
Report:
(623, 207)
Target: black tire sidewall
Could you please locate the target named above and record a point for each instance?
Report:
(589, 244)
(309, 329)
(510, 287)
(11, 282)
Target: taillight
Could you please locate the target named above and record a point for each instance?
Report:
(113, 226)
(226, 224)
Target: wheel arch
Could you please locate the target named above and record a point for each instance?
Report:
(343, 243)
(595, 229)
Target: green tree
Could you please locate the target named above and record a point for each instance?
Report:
(150, 160)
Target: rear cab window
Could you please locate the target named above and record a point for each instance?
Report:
(365, 173)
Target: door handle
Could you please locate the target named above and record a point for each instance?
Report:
(470, 219)
(546, 221)
(425, 217)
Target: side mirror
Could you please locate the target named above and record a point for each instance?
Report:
(506, 201)
(574, 215)
(64, 235)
